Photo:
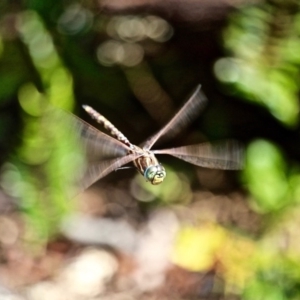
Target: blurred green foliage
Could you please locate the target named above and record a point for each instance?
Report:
(263, 66)
(266, 177)
(48, 157)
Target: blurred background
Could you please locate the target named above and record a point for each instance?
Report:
(202, 234)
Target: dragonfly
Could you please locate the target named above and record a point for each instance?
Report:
(107, 153)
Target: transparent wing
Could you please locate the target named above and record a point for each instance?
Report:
(103, 168)
(226, 155)
(182, 119)
(102, 153)
(95, 144)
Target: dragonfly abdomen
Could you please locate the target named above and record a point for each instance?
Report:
(107, 125)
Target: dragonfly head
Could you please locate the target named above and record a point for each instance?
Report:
(155, 174)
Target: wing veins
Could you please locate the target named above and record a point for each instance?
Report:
(224, 155)
(96, 172)
(182, 118)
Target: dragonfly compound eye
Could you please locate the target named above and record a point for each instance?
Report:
(155, 174)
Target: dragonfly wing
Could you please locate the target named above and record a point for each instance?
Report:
(95, 144)
(95, 172)
(181, 120)
(101, 152)
(223, 155)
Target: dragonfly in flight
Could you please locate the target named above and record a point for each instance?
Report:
(108, 153)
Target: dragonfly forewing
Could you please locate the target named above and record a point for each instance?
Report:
(102, 153)
(103, 168)
(95, 144)
(223, 155)
(184, 117)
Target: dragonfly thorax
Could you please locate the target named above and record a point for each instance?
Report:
(150, 168)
